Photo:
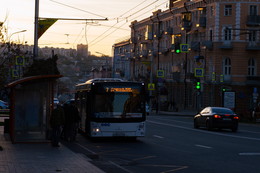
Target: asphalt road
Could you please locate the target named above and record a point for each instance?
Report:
(173, 145)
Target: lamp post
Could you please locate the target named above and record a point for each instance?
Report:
(9, 39)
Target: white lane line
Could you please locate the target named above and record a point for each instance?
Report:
(203, 146)
(158, 136)
(126, 170)
(249, 154)
(85, 148)
(204, 131)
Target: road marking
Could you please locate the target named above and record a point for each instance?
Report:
(249, 154)
(85, 148)
(204, 131)
(143, 158)
(203, 146)
(158, 136)
(126, 170)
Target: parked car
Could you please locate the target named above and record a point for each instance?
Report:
(4, 105)
(56, 101)
(216, 117)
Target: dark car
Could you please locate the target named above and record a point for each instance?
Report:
(216, 117)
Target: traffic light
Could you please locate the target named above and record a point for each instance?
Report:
(198, 86)
(177, 49)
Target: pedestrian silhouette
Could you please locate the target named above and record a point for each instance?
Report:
(57, 120)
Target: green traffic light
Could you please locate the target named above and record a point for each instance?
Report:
(177, 51)
(198, 85)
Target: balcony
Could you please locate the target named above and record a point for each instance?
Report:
(226, 45)
(252, 45)
(253, 20)
(227, 79)
(253, 80)
(195, 45)
(207, 44)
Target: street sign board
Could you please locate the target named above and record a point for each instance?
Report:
(160, 73)
(229, 99)
(199, 72)
(19, 60)
(184, 48)
(151, 86)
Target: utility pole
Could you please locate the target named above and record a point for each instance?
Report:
(35, 48)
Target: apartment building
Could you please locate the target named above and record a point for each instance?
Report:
(220, 51)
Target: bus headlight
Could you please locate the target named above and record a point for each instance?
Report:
(96, 130)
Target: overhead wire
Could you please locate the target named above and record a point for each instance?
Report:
(78, 9)
(100, 38)
(92, 43)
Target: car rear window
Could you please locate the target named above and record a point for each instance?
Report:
(222, 111)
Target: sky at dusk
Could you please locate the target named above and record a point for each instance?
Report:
(99, 35)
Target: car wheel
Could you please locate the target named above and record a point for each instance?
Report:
(196, 126)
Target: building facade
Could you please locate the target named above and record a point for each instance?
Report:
(220, 52)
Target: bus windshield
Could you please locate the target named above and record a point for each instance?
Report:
(119, 105)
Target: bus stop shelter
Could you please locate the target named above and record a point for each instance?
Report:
(31, 102)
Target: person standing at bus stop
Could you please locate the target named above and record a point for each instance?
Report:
(71, 121)
(57, 120)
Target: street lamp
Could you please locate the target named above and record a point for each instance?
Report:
(15, 33)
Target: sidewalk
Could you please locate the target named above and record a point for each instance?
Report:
(41, 158)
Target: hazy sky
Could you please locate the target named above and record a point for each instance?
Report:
(99, 35)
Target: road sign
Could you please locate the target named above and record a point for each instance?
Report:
(199, 72)
(160, 73)
(19, 60)
(151, 86)
(184, 48)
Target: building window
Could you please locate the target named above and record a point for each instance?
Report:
(251, 67)
(227, 66)
(252, 10)
(252, 36)
(228, 10)
(211, 11)
(227, 34)
(210, 35)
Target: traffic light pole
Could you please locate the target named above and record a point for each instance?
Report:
(185, 73)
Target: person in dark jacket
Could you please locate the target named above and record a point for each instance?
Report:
(71, 121)
(57, 120)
